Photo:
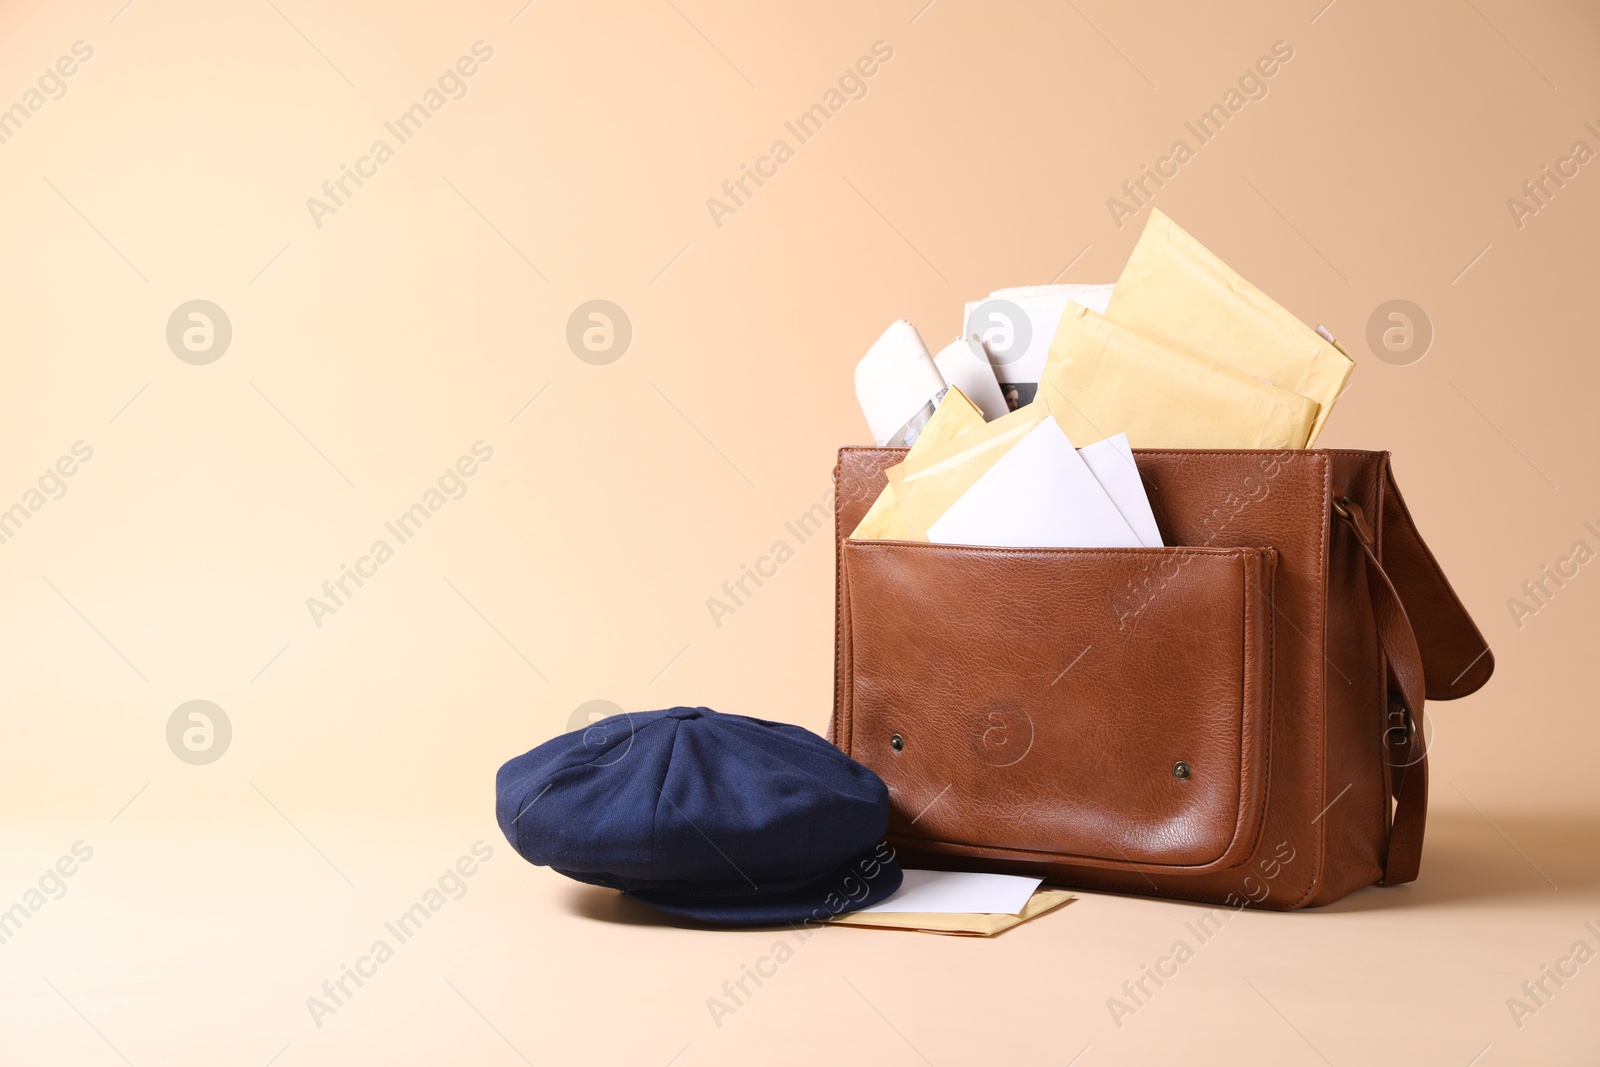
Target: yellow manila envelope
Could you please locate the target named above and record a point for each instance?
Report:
(1103, 378)
(955, 416)
(1176, 291)
(961, 924)
(925, 488)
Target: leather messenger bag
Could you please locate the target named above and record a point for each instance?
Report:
(1235, 719)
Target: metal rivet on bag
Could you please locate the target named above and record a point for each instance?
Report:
(897, 742)
(1180, 769)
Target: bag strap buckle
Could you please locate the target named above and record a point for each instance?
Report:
(1400, 735)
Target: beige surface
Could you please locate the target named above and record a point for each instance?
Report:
(369, 354)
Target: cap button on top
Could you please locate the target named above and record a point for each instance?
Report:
(685, 713)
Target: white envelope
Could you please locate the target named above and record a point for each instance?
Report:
(964, 364)
(1112, 464)
(1041, 494)
(897, 385)
(960, 892)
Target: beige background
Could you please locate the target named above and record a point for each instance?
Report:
(431, 308)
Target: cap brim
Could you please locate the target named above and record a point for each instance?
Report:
(839, 893)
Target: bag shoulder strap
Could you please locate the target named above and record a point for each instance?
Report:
(1432, 650)
(1405, 748)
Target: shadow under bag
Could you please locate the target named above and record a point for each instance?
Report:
(1236, 719)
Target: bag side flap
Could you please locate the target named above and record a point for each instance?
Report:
(1455, 658)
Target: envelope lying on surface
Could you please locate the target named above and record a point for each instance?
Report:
(943, 892)
(960, 924)
(1175, 291)
(1104, 377)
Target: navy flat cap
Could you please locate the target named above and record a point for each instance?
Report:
(720, 818)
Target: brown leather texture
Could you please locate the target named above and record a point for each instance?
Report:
(1047, 664)
(1210, 721)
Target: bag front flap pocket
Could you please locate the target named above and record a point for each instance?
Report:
(1106, 707)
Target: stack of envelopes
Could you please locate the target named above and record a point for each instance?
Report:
(1181, 353)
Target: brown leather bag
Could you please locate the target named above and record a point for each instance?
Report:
(1236, 719)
